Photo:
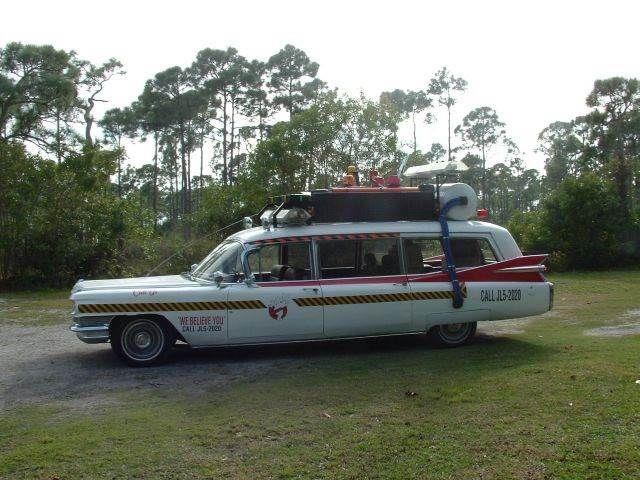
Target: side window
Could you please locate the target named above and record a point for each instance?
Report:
(262, 260)
(471, 252)
(379, 257)
(358, 258)
(423, 255)
(296, 258)
(337, 258)
(278, 262)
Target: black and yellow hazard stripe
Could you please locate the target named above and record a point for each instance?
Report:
(338, 236)
(376, 298)
(168, 307)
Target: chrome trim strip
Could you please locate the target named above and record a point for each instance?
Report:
(528, 268)
(91, 333)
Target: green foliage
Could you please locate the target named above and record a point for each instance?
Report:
(293, 78)
(35, 82)
(222, 110)
(526, 229)
(314, 149)
(579, 224)
(63, 221)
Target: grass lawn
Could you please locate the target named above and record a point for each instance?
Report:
(47, 307)
(550, 402)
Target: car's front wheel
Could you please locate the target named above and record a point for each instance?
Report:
(453, 334)
(142, 341)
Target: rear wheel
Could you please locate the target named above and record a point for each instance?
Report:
(142, 341)
(453, 334)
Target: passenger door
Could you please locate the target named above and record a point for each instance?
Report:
(284, 302)
(363, 287)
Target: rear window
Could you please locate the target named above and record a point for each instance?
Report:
(426, 255)
(471, 252)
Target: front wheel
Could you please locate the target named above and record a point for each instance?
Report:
(142, 342)
(453, 334)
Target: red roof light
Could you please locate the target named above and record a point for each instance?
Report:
(393, 181)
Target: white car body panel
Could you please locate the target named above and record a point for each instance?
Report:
(362, 319)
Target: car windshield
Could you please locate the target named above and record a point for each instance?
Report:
(224, 258)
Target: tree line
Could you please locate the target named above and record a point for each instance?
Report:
(228, 132)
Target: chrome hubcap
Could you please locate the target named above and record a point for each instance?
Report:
(142, 340)
(454, 332)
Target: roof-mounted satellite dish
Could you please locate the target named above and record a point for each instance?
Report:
(434, 169)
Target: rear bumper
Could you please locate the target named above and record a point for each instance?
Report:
(95, 333)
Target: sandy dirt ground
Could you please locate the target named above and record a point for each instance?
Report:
(48, 365)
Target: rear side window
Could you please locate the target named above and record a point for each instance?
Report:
(426, 255)
(423, 255)
(471, 252)
(358, 258)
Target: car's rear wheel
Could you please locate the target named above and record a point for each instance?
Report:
(142, 341)
(453, 334)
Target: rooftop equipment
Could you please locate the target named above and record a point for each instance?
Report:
(370, 204)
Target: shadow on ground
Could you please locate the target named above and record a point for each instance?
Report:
(54, 369)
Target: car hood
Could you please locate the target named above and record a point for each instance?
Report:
(165, 281)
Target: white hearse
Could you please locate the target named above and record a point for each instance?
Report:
(338, 263)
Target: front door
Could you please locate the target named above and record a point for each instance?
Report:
(284, 303)
(364, 289)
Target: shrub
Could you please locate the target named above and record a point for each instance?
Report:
(581, 223)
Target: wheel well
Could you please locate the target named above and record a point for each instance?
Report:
(117, 320)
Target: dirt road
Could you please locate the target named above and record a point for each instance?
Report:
(49, 365)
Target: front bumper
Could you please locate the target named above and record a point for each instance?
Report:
(94, 333)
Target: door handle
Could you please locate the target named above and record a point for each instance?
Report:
(403, 284)
(309, 289)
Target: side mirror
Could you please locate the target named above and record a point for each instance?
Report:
(193, 267)
(218, 277)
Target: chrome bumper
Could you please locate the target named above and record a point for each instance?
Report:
(95, 333)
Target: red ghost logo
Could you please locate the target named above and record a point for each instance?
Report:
(277, 313)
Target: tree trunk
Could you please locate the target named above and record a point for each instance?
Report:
(415, 141)
(232, 133)
(183, 193)
(484, 179)
(154, 201)
(58, 152)
(449, 132)
(261, 119)
(290, 99)
(201, 170)
(224, 139)
(88, 119)
(189, 205)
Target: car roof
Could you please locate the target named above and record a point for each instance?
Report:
(259, 233)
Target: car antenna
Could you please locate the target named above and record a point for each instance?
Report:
(190, 244)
